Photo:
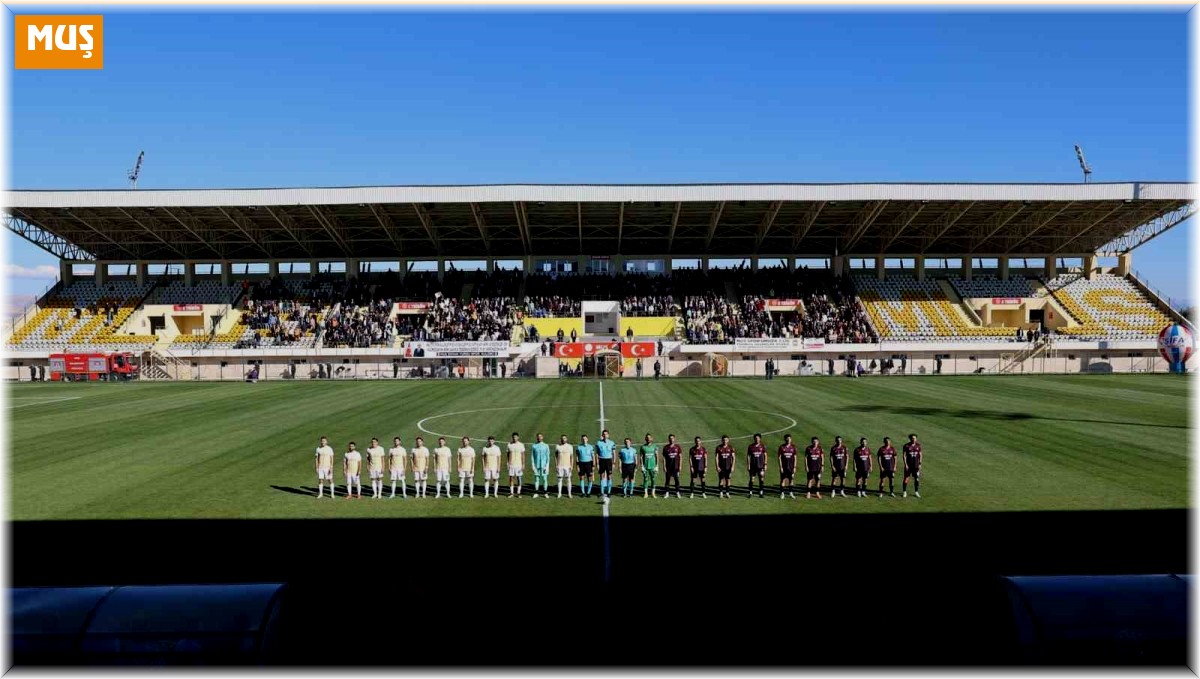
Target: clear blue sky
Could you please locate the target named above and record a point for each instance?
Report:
(329, 99)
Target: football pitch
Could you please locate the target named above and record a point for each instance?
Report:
(236, 450)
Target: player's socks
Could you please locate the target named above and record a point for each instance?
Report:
(582, 486)
(917, 487)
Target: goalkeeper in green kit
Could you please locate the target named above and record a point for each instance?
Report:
(649, 467)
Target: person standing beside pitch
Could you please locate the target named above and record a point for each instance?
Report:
(564, 454)
(396, 458)
(540, 458)
(351, 466)
(516, 465)
(466, 466)
(323, 462)
(420, 468)
(491, 467)
(649, 463)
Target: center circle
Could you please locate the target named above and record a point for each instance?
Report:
(791, 420)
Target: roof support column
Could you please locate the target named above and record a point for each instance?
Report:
(618, 264)
(1089, 266)
(441, 268)
(966, 268)
(581, 264)
(101, 274)
(753, 264)
(1051, 267)
(403, 267)
(527, 266)
(704, 263)
(142, 268)
(189, 267)
(920, 262)
(65, 273)
(227, 274)
(1125, 264)
(879, 270)
(351, 268)
(1003, 264)
(273, 268)
(791, 264)
(839, 266)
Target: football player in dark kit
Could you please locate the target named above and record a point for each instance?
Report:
(726, 458)
(699, 457)
(912, 465)
(672, 460)
(887, 466)
(862, 467)
(756, 460)
(787, 466)
(839, 457)
(814, 461)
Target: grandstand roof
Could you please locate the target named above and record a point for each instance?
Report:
(512, 220)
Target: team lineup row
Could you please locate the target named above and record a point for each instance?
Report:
(591, 460)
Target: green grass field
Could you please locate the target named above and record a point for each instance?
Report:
(233, 450)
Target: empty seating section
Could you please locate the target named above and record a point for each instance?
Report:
(903, 308)
(84, 316)
(1107, 306)
(991, 286)
(203, 292)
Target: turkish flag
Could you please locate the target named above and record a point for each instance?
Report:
(637, 349)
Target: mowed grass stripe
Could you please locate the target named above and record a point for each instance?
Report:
(241, 450)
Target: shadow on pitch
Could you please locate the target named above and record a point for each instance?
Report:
(989, 415)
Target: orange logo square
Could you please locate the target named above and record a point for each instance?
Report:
(59, 41)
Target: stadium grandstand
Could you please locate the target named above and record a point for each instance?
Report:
(706, 279)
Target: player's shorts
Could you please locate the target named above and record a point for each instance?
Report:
(627, 470)
(860, 474)
(606, 465)
(756, 471)
(465, 473)
(375, 474)
(724, 474)
(888, 472)
(671, 474)
(698, 470)
(419, 476)
(323, 474)
(814, 476)
(491, 474)
(443, 475)
(564, 472)
(916, 473)
(585, 468)
(541, 471)
(397, 474)
(837, 473)
(351, 478)
(515, 471)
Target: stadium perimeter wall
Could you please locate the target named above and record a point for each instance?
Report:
(681, 361)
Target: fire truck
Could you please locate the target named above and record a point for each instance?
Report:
(86, 367)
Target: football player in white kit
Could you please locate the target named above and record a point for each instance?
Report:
(491, 467)
(396, 458)
(441, 467)
(466, 466)
(420, 468)
(516, 465)
(351, 466)
(323, 463)
(375, 461)
(564, 459)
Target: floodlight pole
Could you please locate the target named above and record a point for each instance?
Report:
(137, 170)
(1087, 170)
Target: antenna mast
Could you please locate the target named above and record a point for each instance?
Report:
(137, 170)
